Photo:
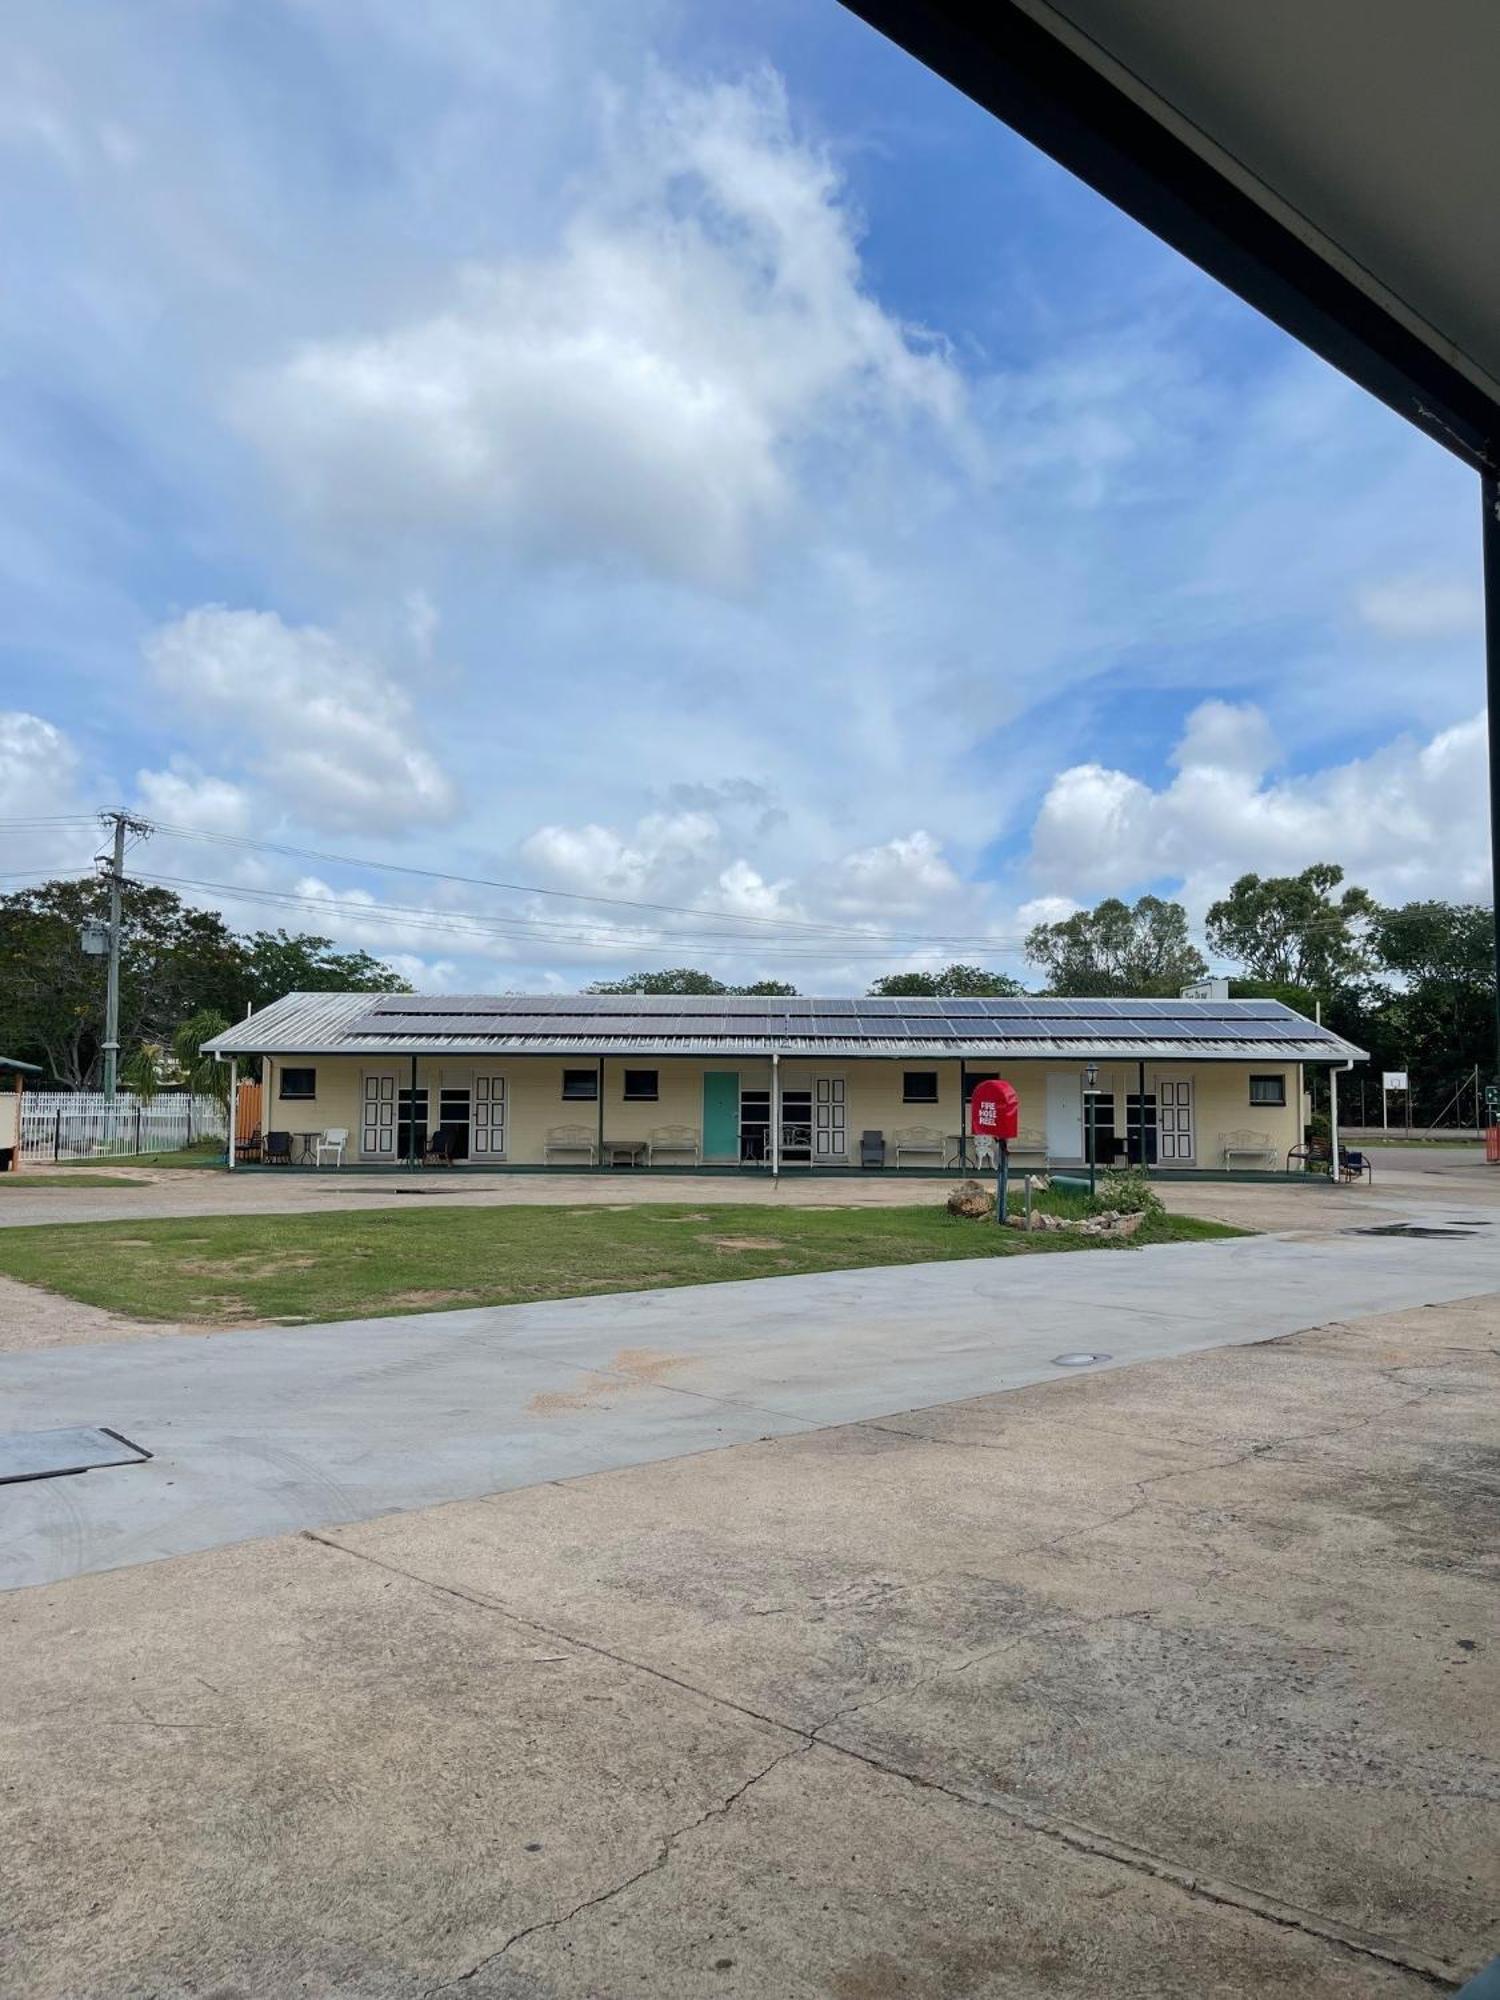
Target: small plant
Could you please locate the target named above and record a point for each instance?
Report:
(1129, 1192)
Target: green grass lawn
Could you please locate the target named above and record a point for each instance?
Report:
(224, 1269)
(202, 1153)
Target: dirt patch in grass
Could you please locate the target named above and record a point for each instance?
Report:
(726, 1244)
(423, 1299)
(223, 1306)
(245, 1268)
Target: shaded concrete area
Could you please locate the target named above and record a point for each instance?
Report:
(255, 1433)
(1171, 1680)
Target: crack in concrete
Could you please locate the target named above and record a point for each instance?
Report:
(1072, 1834)
(652, 1867)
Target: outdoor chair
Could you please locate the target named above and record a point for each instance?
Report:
(1314, 1157)
(1352, 1165)
(333, 1141)
(278, 1149)
(920, 1142)
(442, 1147)
(570, 1140)
(872, 1149)
(248, 1150)
(673, 1141)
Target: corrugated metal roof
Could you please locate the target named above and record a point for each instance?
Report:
(610, 1024)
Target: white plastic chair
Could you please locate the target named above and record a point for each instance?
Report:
(333, 1141)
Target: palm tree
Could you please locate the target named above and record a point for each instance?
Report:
(203, 1075)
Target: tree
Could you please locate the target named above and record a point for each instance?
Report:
(204, 1075)
(1292, 930)
(173, 959)
(277, 963)
(682, 979)
(1439, 1022)
(771, 988)
(1117, 949)
(953, 982)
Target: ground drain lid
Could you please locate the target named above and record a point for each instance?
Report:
(1407, 1229)
(47, 1454)
(1078, 1360)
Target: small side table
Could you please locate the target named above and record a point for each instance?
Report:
(624, 1152)
(308, 1142)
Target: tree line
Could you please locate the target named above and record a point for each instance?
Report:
(178, 964)
(1413, 984)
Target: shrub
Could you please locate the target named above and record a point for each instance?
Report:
(1127, 1190)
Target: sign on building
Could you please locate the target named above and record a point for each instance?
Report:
(1206, 989)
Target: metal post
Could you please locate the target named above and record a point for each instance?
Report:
(775, 1114)
(411, 1118)
(112, 991)
(1333, 1122)
(1140, 1103)
(600, 1089)
(1490, 497)
(1002, 1180)
(963, 1117)
(1093, 1145)
(234, 1110)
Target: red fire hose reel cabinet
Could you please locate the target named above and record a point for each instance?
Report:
(995, 1110)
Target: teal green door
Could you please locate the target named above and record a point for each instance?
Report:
(721, 1114)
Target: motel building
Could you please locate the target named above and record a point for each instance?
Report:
(840, 1086)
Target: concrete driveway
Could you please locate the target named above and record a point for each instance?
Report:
(1169, 1682)
(256, 1433)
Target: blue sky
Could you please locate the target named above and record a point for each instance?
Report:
(681, 456)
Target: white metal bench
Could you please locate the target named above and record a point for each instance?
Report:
(565, 1140)
(1254, 1147)
(920, 1142)
(673, 1142)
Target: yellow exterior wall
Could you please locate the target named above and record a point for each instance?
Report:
(873, 1096)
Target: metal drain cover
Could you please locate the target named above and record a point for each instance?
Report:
(1078, 1360)
(48, 1454)
(1408, 1229)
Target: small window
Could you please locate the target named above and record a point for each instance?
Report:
(581, 1085)
(640, 1086)
(1268, 1090)
(298, 1083)
(974, 1077)
(919, 1086)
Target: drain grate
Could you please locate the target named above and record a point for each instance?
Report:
(1408, 1229)
(49, 1454)
(1078, 1360)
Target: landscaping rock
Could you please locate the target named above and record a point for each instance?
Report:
(971, 1199)
(1111, 1223)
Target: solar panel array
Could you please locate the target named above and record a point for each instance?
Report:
(801, 1017)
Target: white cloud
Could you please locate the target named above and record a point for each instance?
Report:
(185, 796)
(1422, 606)
(904, 877)
(40, 781)
(325, 728)
(643, 390)
(1406, 821)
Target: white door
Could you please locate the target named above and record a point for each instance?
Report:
(487, 1130)
(1174, 1121)
(1064, 1117)
(377, 1122)
(830, 1137)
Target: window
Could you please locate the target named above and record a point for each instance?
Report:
(919, 1086)
(582, 1085)
(640, 1086)
(298, 1083)
(1268, 1090)
(974, 1077)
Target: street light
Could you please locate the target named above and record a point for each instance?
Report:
(1090, 1080)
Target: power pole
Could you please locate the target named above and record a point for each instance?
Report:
(115, 875)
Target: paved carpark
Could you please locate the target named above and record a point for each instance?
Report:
(1167, 1680)
(1173, 1677)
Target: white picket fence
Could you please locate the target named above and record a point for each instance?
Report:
(85, 1125)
